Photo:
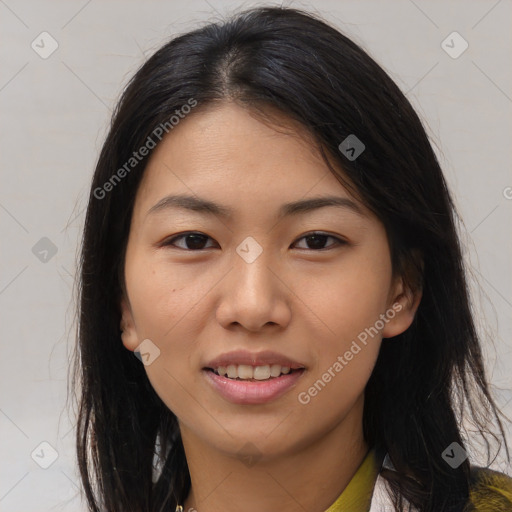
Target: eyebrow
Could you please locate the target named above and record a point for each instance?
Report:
(205, 206)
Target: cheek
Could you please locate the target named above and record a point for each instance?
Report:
(350, 300)
(163, 295)
(167, 307)
(349, 303)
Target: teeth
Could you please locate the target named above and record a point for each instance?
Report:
(247, 372)
(262, 372)
(275, 370)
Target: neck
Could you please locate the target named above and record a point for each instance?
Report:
(305, 478)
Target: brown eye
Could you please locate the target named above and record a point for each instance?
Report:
(193, 241)
(317, 241)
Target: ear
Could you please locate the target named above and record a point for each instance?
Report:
(127, 326)
(404, 303)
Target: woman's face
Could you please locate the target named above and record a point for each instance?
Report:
(254, 285)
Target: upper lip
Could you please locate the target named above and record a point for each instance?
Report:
(253, 359)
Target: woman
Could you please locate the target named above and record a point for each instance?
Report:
(270, 234)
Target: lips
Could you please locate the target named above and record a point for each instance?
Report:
(253, 392)
(230, 376)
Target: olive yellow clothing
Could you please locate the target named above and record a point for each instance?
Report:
(490, 491)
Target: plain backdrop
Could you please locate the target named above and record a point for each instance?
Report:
(55, 110)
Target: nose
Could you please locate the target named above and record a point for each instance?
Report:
(254, 295)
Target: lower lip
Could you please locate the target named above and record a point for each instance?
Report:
(253, 392)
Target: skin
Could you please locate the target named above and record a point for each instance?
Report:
(305, 302)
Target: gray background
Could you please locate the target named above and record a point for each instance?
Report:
(55, 112)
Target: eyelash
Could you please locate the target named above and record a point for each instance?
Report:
(339, 242)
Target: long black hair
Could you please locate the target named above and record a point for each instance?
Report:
(285, 60)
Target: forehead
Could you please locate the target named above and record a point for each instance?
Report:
(232, 156)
